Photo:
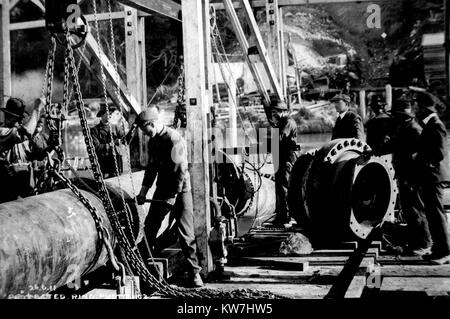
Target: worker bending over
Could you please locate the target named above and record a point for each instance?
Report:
(168, 160)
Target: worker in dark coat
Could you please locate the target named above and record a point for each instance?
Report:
(16, 173)
(405, 145)
(168, 163)
(39, 146)
(348, 123)
(434, 172)
(379, 128)
(284, 159)
(107, 146)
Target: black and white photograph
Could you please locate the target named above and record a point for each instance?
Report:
(225, 158)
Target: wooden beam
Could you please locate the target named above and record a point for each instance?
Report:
(197, 107)
(38, 4)
(244, 45)
(262, 51)
(166, 8)
(273, 43)
(135, 70)
(5, 56)
(12, 4)
(284, 3)
(92, 56)
(41, 23)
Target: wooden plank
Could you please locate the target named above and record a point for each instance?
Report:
(282, 3)
(347, 275)
(311, 260)
(5, 58)
(430, 271)
(262, 51)
(41, 23)
(413, 284)
(166, 8)
(356, 287)
(197, 108)
(244, 45)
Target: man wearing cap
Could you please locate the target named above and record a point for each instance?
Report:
(348, 123)
(106, 146)
(434, 171)
(405, 147)
(284, 160)
(168, 162)
(379, 128)
(16, 175)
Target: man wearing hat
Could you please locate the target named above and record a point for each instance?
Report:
(167, 160)
(434, 170)
(348, 123)
(284, 160)
(107, 146)
(405, 145)
(16, 175)
(379, 128)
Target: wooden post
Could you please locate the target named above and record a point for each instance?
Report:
(447, 48)
(362, 104)
(388, 97)
(5, 57)
(232, 102)
(194, 33)
(282, 49)
(273, 43)
(135, 66)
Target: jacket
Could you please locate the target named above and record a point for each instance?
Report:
(105, 151)
(405, 145)
(167, 160)
(350, 126)
(432, 155)
(379, 133)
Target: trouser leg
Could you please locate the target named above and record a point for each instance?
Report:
(437, 218)
(185, 224)
(281, 190)
(414, 213)
(156, 214)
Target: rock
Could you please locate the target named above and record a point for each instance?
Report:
(296, 244)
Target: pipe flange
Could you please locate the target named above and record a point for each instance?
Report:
(363, 229)
(344, 145)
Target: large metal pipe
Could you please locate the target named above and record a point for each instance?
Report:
(49, 240)
(341, 191)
